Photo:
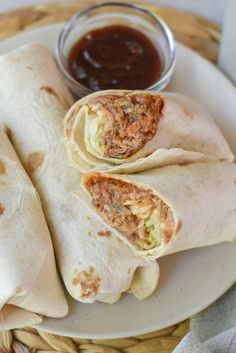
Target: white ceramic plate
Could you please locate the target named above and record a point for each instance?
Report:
(190, 280)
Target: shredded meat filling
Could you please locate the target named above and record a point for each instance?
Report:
(125, 207)
(132, 122)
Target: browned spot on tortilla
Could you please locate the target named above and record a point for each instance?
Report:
(235, 210)
(89, 233)
(167, 235)
(178, 227)
(89, 281)
(235, 182)
(34, 161)
(9, 133)
(104, 233)
(18, 290)
(187, 113)
(3, 169)
(184, 164)
(29, 67)
(50, 90)
(2, 209)
(129, 271)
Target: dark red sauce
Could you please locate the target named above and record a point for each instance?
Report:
(115, 57)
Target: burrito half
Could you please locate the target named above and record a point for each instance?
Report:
(130, 131)
(168, 209)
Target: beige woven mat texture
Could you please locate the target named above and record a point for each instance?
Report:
(197, 33)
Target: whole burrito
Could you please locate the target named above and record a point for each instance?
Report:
(30, 286)
(168, 209)
(130, 131)
(93, 263)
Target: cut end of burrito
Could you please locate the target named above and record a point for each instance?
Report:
(116, 126)
(143, 218)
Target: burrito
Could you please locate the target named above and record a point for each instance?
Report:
(94, 264)
(168, 209)
(131, 131)
(30, 286)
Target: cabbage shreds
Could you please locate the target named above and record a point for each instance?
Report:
(137, 213)
(119, 126)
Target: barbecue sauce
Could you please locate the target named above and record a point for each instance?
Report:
(115, 57)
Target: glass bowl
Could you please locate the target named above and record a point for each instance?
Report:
(106, 14)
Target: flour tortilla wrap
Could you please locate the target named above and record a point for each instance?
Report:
(168, 209)
(93, 263)
(122, 131)
(28, 276)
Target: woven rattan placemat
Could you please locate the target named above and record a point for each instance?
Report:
(200, 34)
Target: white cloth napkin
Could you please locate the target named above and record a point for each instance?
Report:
(211, 330)
(218, 317)
(222, 343)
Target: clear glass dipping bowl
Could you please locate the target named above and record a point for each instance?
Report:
(106, 14)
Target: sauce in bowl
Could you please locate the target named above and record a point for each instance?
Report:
(115, 57)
